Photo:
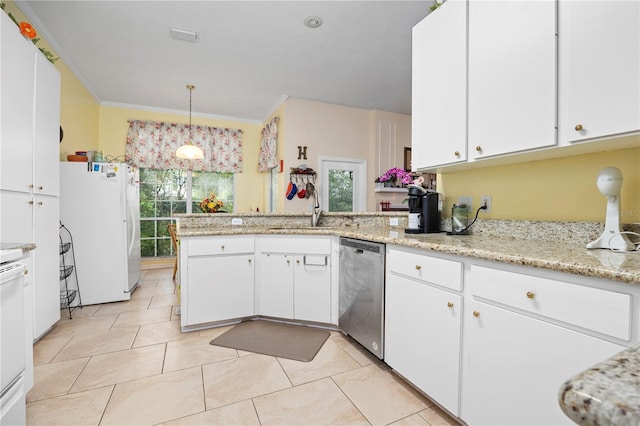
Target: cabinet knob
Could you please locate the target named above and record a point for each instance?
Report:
(531, 295)
(26, 272)
(40, 188)
(457, 153)
(249, 260)
(288, 261)
(30, 186)
(31, 202)
(478, 148)
(39, 203)
(418, 267)
(450, 305)
(221, 248)
(476, 314)
(578, 127)
(298, 261)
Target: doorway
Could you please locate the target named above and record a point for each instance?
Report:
(343, 184)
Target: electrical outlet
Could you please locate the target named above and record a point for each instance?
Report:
(393, 221)
(236, 221)
(485, 200)
(468, 200)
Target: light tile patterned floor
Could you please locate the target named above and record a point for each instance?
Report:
(127, 363)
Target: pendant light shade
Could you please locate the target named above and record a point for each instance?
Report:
(189, 151)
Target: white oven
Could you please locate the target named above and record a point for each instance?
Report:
(12, 343)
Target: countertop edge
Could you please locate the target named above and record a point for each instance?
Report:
(607, 393)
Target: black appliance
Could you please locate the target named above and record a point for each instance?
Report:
(424, 215)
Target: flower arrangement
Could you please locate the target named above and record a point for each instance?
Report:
(27, 30)
(394, 175)
(211, 204)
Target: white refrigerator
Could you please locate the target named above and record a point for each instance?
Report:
(100, 205)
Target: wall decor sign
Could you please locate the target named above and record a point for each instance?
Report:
(302, 152)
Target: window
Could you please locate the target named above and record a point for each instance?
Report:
(163, 193)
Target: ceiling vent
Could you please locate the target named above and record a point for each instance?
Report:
(184, 35)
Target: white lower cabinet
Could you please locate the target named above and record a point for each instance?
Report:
(274, 283)
(217, 279)
(226, 278)
(220, 288)
(514, 365)
(312, 288)
(293, 278)
(423, 323)
(422, 337)
(493, 343)
(525, 334)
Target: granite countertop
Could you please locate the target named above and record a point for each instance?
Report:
(17, 246)
(562, 256)
(606, 394)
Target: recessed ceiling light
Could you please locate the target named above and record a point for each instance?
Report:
(313, 21)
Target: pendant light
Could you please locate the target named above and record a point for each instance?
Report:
(189, 151)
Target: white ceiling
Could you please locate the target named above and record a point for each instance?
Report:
(251, 55)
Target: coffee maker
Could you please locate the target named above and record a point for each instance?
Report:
(424, 216)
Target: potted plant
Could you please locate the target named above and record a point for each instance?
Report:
(395, 177)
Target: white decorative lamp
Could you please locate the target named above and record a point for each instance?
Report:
(189, 151)
(609, 183)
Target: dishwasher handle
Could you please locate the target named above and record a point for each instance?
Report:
(362, 246)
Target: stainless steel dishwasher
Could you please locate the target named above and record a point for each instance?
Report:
(361, 293)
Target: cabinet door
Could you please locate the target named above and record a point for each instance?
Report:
(46, 263)
(512, 76)
(600, 48)
(312, 288)
(16, 111)
(274, 285)
(46, 128)
(16, 216)
(219, 288)
(439, 91)
(422, 337)
(513, 366)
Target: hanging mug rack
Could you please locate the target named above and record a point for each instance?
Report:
(302, 178)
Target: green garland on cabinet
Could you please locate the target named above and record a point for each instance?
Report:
(27, 30)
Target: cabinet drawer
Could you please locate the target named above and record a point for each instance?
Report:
(442, 272)
(227, 245)
(599, 310)
(294, 245)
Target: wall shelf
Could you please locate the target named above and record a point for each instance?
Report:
(390, 189)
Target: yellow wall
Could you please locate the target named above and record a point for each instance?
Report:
(113, 136)
(78, 109)
(560, 189)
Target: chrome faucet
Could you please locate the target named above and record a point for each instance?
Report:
(315, 216)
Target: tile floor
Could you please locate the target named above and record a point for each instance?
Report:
(127, 363)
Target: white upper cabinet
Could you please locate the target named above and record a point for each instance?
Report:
(512, 76)
(16, 111)
(600, 69)
(46, 128)
(439, 94)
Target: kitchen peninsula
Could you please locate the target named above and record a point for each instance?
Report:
(522, 306)
(555, 246)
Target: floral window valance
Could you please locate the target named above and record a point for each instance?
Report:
(268, 144)
(153, 144)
